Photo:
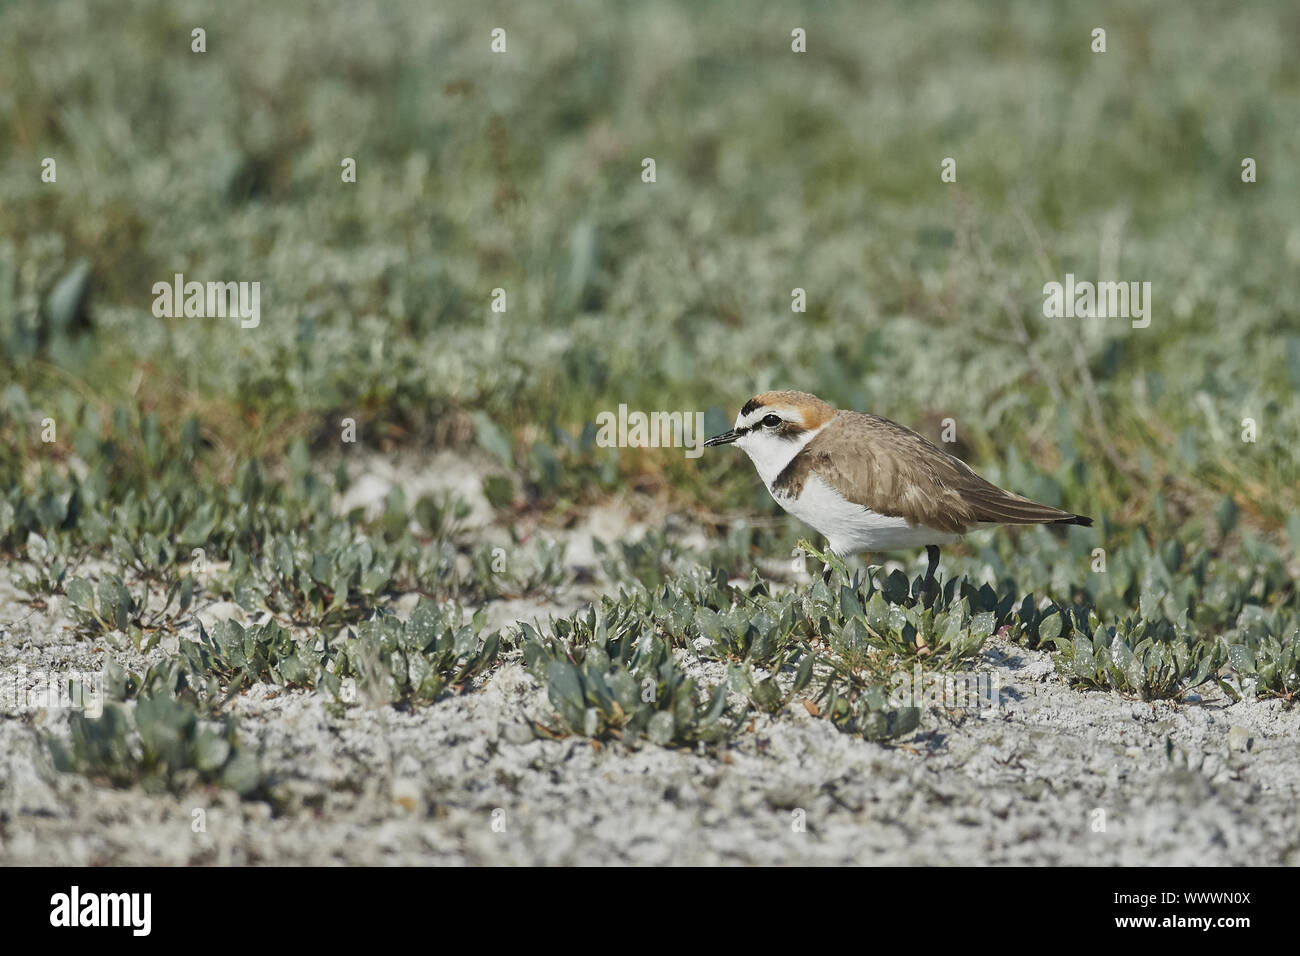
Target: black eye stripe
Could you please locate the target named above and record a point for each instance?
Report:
(773, 425)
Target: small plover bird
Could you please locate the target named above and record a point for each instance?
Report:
(869, 484)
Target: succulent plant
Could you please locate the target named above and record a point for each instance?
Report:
(159, 743)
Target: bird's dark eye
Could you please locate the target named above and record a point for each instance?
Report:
(771, 421)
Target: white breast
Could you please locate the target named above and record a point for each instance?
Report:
(850, 528)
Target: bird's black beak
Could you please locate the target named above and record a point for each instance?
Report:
(726, 438)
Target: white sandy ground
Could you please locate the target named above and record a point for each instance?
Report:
(462, 782)
(381, 786)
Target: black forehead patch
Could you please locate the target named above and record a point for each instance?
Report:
(750, 405)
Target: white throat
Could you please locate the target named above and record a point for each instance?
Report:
(770, 454)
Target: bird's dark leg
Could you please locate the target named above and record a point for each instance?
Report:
(930, 589)
(826, 568)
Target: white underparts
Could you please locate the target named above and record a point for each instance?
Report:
(850, 528)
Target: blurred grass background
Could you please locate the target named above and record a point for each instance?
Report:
(775, 171)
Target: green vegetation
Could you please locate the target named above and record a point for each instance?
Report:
(150, 466)
(417, 660)
(160, 744)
